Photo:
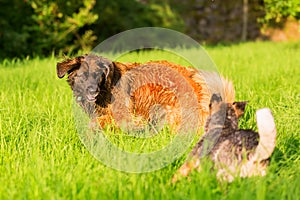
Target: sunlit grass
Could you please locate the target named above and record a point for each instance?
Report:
(42, 156)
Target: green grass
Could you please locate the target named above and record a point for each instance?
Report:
(42, 156)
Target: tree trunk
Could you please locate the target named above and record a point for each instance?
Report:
(245, 20)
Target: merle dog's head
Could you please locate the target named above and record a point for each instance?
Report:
(222, 114)
(89, 77)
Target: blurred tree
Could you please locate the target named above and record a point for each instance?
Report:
(39, 27)
(245, 20)
(15, 16)
(120, 15)
(278, 10)
(62, 25)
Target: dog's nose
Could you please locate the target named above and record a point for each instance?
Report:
(92, 90)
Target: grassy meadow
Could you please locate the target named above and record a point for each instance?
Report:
(42, 156)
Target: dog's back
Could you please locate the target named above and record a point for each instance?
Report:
(159, 82)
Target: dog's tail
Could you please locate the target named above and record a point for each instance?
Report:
(213, 83)
(266, 145)
(218, 84)
(267, 134)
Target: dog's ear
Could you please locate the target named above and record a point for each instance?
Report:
(239, 108)
(215, 98)
(118, 70)
(68, 65)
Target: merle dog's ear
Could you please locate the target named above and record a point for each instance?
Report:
(215, 98)
(68, 65)
(239, 108)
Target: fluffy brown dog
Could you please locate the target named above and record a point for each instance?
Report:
(149, 92)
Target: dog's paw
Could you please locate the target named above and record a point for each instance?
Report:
(186, 169)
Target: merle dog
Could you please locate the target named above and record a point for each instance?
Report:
(234, 151)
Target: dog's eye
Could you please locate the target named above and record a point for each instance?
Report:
(82, 73)
(79, 73)
(83, 76)
(96, 75)
(79, 98)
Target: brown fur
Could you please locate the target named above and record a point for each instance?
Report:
(95, 80)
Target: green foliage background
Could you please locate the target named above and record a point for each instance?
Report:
(39, 27)
(42, 27)
(278, 10)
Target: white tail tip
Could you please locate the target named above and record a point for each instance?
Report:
(267, 133)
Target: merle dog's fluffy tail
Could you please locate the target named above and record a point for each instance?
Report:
(266, 145)
(267, 134)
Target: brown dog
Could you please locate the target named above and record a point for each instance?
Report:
(150, 92)
(235, 152)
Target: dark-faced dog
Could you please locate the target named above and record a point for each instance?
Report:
(234, 151)
(96, 83)
(92, 79)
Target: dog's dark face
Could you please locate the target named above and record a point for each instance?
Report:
(89, 77)
(223, 114)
